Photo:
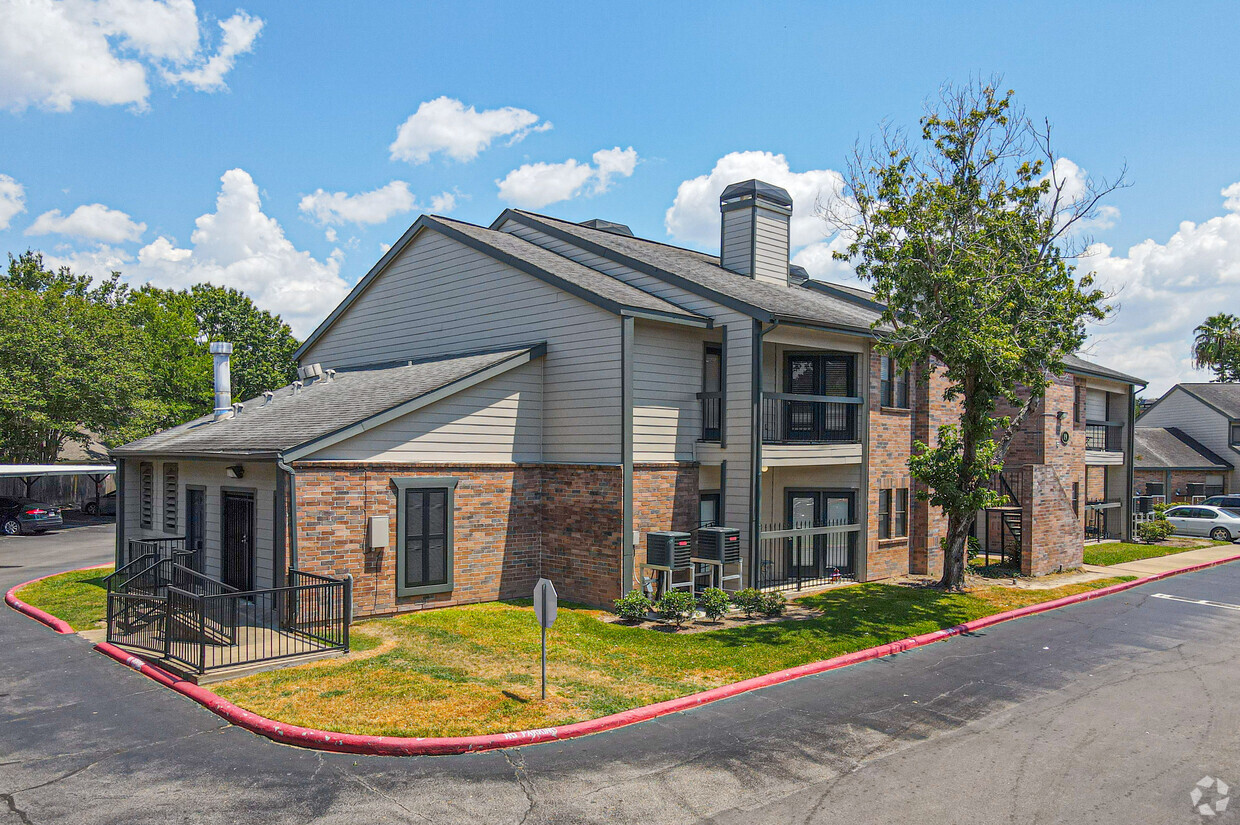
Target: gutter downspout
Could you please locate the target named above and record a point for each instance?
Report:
(292, 510)
(1130, 460)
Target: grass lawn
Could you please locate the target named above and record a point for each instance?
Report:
(474, 669)
(1122, 552)
(78, 597)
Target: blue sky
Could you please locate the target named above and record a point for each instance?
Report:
(165, 118)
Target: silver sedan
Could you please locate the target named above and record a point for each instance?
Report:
(1218, 523)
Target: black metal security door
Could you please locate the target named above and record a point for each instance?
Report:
(237, 541)
(822, 374)
(814, 558)
(195, 524)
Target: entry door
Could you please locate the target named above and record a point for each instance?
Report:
(195, 524)
(237, 541)
(818, 374)
(809, 558)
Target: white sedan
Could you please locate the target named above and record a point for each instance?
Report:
(1218, 523)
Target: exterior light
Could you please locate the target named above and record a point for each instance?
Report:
(235, 471)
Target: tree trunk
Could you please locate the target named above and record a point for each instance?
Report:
(955, 551)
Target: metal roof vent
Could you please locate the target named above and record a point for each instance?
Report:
(607, 226)
(268, 395)
(297, 385)
(237, 408)
(221, 353)
(797, 275)
(331, 374)
(310, 372)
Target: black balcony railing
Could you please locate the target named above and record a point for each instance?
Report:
(788, 418)
(1102, 437)
(806, 555)
(712, 415)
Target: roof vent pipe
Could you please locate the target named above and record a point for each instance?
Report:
(221, 352)
(754, 231)
(267, 396)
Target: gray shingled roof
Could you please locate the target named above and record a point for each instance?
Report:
(1169, 448)
(1223, 397)
(569, 271)
(787, 302)
(321, 408)
(1076, 364)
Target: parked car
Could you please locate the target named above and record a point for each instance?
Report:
(1231, 502)
(105, 507)
(23, 515)
(1199, 520)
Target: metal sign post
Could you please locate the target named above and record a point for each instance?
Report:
(545, 604)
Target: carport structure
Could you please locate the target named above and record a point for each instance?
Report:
(31, 473)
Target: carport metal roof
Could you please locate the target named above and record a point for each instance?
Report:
(30, 470)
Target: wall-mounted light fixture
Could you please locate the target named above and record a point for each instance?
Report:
(235, 471)
(1061, 415)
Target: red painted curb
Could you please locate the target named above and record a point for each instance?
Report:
(435, 746)
(59, 625)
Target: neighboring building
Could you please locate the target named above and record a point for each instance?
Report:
(1207, 418)
(533, 398)
(1172, 464)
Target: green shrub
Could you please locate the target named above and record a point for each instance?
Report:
(748, 600)
(633, 607)
(772, 604)
(1154, 531)
(1161, 507)
(676, 607)
(714, 603)
(973, 547)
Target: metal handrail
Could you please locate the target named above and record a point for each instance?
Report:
(107, 580)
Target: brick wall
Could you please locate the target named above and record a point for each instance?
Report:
(512, 523)
(1180, 479)
(665, 497)
(496, 530)
(1051, 537)
(929, 525)
(581, 527)
(890, 440)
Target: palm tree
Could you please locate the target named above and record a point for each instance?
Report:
(1217, 346)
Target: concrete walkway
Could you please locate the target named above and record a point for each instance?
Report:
(1161, 564)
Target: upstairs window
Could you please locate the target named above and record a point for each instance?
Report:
(1235, 435)
(894, 385)
(712, 392)
(424, 516)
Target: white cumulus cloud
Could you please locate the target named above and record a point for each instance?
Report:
(55, 53)
(237, 246)
(447, 125)
(93, 221)
(1164, 290)
(373, 207)
(535, 185)
(694, 215)
(12, 200)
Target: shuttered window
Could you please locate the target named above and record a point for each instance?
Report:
(1095, 405)
(893, 513)
(894, 385)
(146, 494)
(424, 518)
(170, 497)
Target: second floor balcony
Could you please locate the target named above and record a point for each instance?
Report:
(792, 418)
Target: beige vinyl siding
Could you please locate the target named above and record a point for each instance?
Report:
(736, 252)
(259, 478)
(667, 376)
(440, 297)
(1095, 405)
(497, 421)
(739, 328)
(771, 248)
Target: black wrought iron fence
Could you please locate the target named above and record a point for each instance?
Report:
(712, 415)
(790, 418)
(806, 555)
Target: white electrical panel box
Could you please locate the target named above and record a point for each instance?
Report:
(377, 537)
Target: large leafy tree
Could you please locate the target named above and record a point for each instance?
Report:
(70, 365)
(1216, 346)
(965, 235)
(263, 345)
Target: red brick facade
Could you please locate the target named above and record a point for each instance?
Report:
(891, 441)
(511, 524)
(1177, 488)
(929, 526)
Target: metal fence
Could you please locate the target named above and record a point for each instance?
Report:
(161, 547)
(199, 623)
(790, 418)
(806, 555)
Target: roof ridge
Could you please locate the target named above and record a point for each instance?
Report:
(1198, 446)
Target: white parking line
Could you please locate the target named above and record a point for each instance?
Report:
(1205, 602)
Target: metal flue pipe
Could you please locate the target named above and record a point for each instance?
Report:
(221, 351)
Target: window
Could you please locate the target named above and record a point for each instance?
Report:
(893, 390)
(708, 510)
(712, 392)
(1235, 435)
(1078, 403)
(146, 494)
(899, 518)
(893, 513)
(424, 508)
(1076, 497)
(170, 497)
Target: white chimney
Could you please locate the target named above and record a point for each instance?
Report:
(753, 236)
(220, 351)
